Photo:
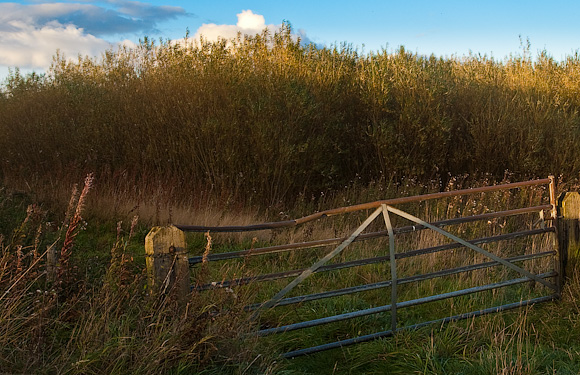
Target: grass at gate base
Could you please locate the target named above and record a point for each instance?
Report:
(102, 319)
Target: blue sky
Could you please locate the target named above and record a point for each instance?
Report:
(31, 31)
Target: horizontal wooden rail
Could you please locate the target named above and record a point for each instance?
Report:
(365, 236)
(360, 207)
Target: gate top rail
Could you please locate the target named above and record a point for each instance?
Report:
(359, 207)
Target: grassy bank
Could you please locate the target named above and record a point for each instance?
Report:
(94, 313)
(98, 316)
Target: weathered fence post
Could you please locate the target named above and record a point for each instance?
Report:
(167, 261)
(568, 230)
(51, 263)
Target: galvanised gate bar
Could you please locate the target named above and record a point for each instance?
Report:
(176, 260)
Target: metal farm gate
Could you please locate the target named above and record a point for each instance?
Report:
(176, 263)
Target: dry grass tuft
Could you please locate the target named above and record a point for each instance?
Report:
(71, 324)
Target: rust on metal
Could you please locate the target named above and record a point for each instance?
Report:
(360, 207)
(386, 207)
(364, 236)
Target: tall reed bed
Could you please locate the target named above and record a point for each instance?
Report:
(266, 119)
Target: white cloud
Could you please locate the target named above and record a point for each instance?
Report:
(28, 46)
(31, 34)
(123, 17)
(247, 20)
(248, 24)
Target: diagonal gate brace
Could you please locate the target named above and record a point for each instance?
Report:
(473, 247)
(306, 273)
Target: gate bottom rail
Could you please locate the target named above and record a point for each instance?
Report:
(413, 302)
(378, 335)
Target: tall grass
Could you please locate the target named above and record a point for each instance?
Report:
(267, 122)
(266, 119)
(79, 323)
(530, 340)
(107, 322)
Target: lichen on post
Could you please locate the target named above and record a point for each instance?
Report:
(568, 226)
(167, 261)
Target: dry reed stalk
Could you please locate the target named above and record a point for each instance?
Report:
(72, 231)
(207, 248)
(472, 115)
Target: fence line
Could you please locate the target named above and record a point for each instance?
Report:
(364, 236)
(360, 207)
(166, 259)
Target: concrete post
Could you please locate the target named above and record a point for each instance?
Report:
(167, 261)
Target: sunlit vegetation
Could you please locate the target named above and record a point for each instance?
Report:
(266, 128)
(265, 119)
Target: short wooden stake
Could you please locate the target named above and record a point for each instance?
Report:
(167, 261)
(568, 229)
(52, 263)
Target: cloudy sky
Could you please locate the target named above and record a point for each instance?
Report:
(32, 31)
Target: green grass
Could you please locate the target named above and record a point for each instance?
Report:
(102, 317)
(97, 315)
(506, 343)
(510, 343)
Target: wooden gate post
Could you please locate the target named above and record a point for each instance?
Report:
(568, 229)
(167, 261)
